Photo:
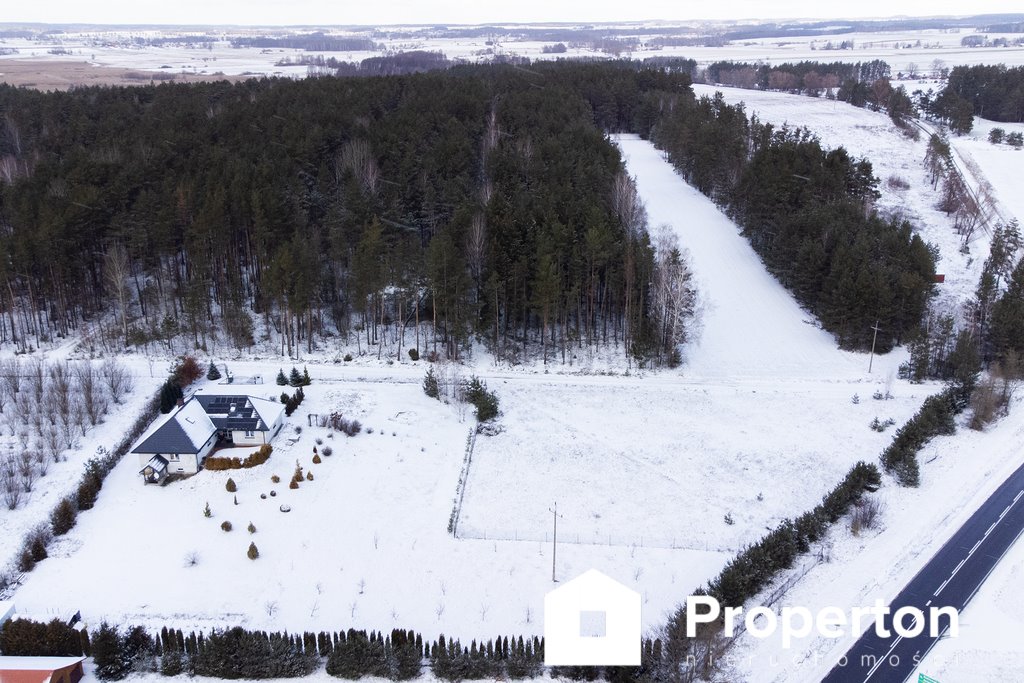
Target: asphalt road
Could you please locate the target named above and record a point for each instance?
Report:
(951, 578)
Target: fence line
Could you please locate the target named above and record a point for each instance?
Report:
(460, 488)
(599, 539)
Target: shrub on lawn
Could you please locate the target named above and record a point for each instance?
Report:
(230, 485)
(226, 525)
(253, 551)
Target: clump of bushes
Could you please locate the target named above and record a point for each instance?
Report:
(414, 354)
(230, 486)
(340, 423)
(291, 403)
(255, 459)
(226, 525)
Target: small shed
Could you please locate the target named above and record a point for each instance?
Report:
(41, 669)
(155, 471)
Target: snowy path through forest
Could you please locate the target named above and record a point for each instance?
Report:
(751, 325)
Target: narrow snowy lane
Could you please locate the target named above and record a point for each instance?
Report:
(751, 325)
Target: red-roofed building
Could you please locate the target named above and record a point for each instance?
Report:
(41, 669)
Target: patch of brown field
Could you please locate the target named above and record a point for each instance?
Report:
(52, 74)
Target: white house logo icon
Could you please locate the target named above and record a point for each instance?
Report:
(592, 620)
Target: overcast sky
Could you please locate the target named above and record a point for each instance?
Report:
(276, 12)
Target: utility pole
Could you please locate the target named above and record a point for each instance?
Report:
(554, 540)
(874, 338)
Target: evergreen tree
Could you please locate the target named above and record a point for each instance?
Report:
(64, 516)
(108, 652)
(295, 379)
(430, 385)
(281, 379)
(213, 373)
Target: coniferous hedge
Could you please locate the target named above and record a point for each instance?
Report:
(935, 418)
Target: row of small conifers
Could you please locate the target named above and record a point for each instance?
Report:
(238, 653)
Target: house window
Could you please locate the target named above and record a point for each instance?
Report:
(249, 434)
(174, 456)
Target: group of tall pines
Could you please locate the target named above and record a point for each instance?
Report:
(418, 210)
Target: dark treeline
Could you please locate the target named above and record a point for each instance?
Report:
(310, 41)
(400, 63)
(863, 84)
(993, 92)
(237, 653)
(808, 213)
(480, 199)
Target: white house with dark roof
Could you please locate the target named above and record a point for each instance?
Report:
(181, 441)
(243, 420)
(178, 444)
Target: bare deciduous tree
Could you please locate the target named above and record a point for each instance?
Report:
(9, 483)
(27, 470)
(93, 402)
(118, 379)
(116, 271)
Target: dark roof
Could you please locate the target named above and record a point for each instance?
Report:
(235, 413)
(170, 438)
(186, 430)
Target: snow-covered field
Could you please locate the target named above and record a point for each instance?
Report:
(905, 51)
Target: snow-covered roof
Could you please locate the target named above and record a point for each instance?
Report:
(269, 411)
(186, 430)
(37, 663)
